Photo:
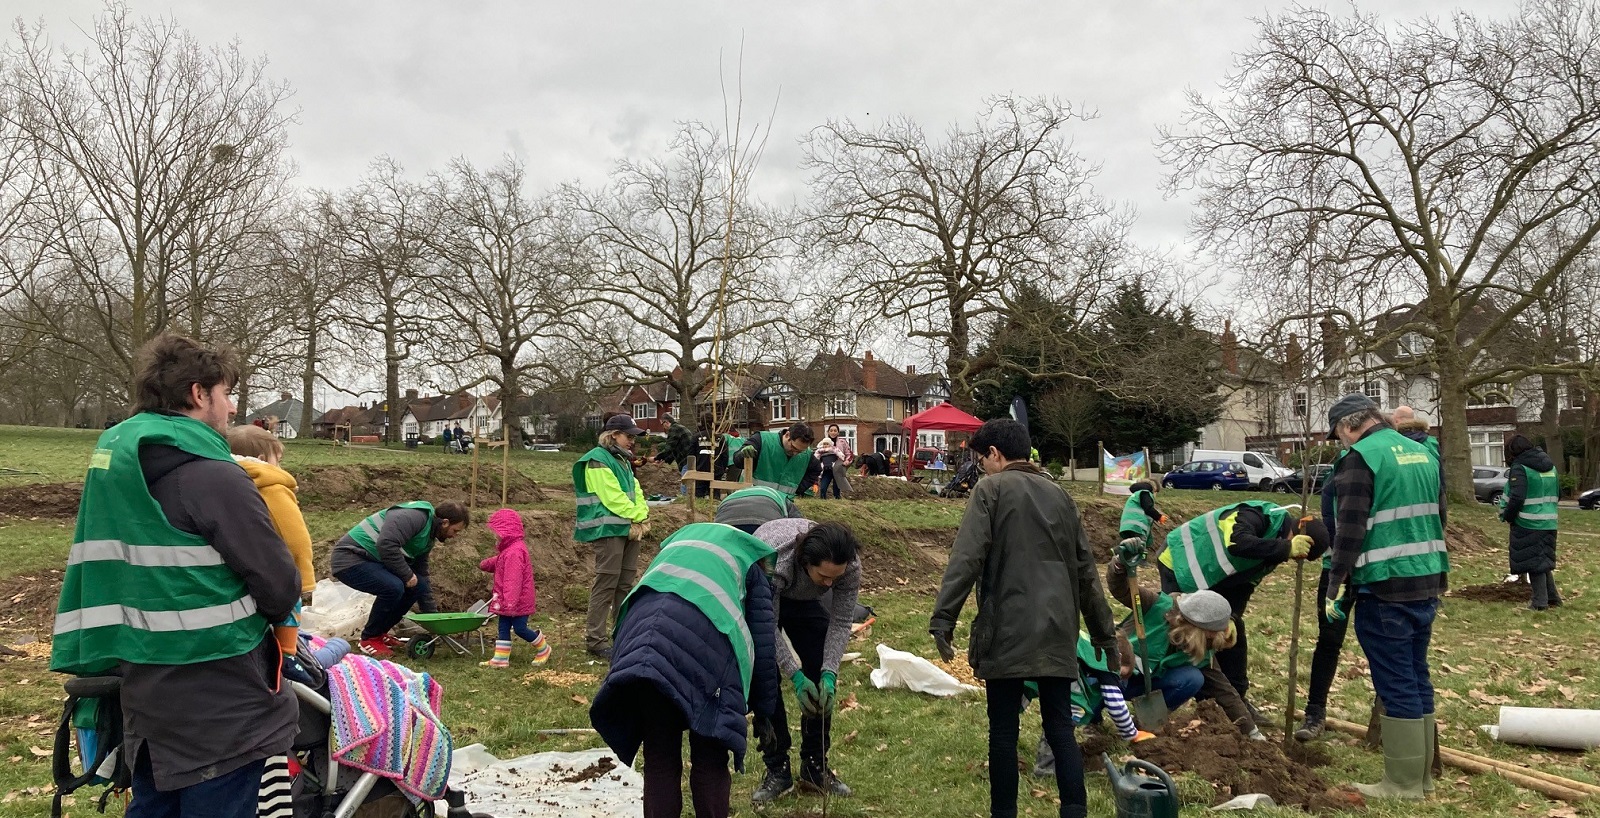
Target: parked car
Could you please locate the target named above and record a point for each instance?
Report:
(1261, 468)
(1209, 474)
(1292, 484)
(1488, 484)
(924, 456)
(1589, 500)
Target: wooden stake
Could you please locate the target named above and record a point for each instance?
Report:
(472, 501)
(1555, 786)
(505, 472)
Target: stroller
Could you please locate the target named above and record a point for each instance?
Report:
(965, 478)
(319, 788)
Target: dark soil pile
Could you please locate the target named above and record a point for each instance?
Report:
(1516, 592)
(1464, 539)
(28, 603)
(593, 772)
(1210, 746)
(40, 500)
(886, 488)
(659, 478)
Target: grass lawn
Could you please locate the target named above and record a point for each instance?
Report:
(910, 755)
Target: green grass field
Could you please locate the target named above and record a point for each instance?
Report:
(906, 754)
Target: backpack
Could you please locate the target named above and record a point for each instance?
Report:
(93, 715)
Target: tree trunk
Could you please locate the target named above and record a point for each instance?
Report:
(308, 382)
(391, 380)
(1453, 428)
(510, 427)
(1590, 476)
(241, 405)
(957, 356)
(1550, 419)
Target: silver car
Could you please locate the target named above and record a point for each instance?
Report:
(1489, 484)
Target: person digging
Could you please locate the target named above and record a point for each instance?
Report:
(1097, 692)
(1229, 551)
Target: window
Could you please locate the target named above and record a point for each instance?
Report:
(849, 433)
(1251, 459)
(930, 439)
(1302, 403)
(888, 408)
(1488, 448)
(1374, 390)
(783, 407)
(1412, 345)
(1492, 396)
(887, 443)
(643, 411)
(844, 405)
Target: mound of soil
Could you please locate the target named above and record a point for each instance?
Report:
(1211, 747)
(28, 603)
(1464, 539)
(1515, 592)
(659, 478)
(886, 488)
(341, 488)
(40, 500)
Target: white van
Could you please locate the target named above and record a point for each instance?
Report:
(1262, 468)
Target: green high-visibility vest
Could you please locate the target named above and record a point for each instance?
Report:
(1405, 535)
(1133, 516)
(778, 499)
(1539, 509)
(1162, 657)
(776, 469)
(1197, 552)
(1086, 689)
(733, 445)
(706, 564)
(365, 532)
(137, 589)
(595, 521)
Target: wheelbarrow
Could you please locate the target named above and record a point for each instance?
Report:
(445, 627)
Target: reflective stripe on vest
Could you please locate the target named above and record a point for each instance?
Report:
(144, 556)
(596, 521)
(1197, 551)
(1539, 512)
(1405, 534)
(195, 619)
(1133, 516)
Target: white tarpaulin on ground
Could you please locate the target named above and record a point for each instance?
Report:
(896, 668)
(338, 610)
(591, 784)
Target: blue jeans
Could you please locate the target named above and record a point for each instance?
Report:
(227, 796)
(1177, 685)
(394, 599)
(518, 624)
(1395, 637)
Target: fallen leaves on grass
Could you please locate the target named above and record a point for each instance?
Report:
(1488, 698)
(560, 678)
(848, 703)
(580, 700)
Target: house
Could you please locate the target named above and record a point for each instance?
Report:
(647, 403)
(281, 416)
(427, 416)
(487, 418)
(361, 419)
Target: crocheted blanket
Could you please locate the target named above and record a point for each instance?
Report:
(385, 721)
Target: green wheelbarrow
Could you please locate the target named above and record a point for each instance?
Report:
(445, 627)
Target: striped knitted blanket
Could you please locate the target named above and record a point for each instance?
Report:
(385, 721)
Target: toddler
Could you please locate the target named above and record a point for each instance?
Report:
(515, 598)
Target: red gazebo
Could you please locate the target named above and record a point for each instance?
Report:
(944, 417)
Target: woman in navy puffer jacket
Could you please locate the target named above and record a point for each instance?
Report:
(672, 669)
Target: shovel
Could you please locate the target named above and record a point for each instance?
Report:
(1149, 709)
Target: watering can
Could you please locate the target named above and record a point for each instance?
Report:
(1142, 789)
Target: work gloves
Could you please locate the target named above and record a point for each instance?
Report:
(1131, 552)
(830, 690)
(941, 640)
(639, 530)
(746, 453)
(1300, 546)
(1336, 608)
(814, 701)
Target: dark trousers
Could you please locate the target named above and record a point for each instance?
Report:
(826, 482)
(1544, 590)
(710, 781)
(394, 599)
(1235, 661)
(518, 624)
(1325, 658)
(1177, 685)
(233, 795)
(1395, 637)
(1055, 707)
(806, 624)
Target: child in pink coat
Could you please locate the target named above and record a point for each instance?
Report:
(515, 598)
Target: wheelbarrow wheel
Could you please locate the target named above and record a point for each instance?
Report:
(421, 648)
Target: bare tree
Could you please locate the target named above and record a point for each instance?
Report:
(673, 247)
(937, 233)
(1451, 147)
(377, 227)
(512, 282)
(138, 138)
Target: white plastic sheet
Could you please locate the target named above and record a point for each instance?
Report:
(540, 785)
(897, 668)
(339, 610)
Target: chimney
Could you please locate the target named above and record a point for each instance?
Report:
(912, 370)
(1292, 357)
(1230, 348)
(869, 372)
(411, 394)
(1332, 344)
(285, 396)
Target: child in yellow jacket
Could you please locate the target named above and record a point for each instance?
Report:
(259, 452)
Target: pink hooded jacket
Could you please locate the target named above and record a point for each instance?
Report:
(514, 593)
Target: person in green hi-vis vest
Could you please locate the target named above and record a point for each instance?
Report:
(173, 578)
(1389, 544)
(1532, 492)
(783, 459)
(613, 518)
(386, 555)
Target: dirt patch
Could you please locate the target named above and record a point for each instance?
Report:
(1468, 539)
(1515, 592)
(886, 488)
(40, 500)
(1209, 746)
(659, 478)
(593, 772)
(28, 603)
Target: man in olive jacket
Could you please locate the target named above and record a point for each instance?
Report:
(1022, 544)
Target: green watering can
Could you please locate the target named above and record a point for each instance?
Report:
(1142, 789)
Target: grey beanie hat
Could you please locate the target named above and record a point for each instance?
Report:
(1206, 609)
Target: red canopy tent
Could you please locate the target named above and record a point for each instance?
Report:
(944, 417)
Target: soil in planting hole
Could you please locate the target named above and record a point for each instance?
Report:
(1517, 592)
(1205, 743)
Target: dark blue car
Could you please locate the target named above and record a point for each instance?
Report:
(1208, 474)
